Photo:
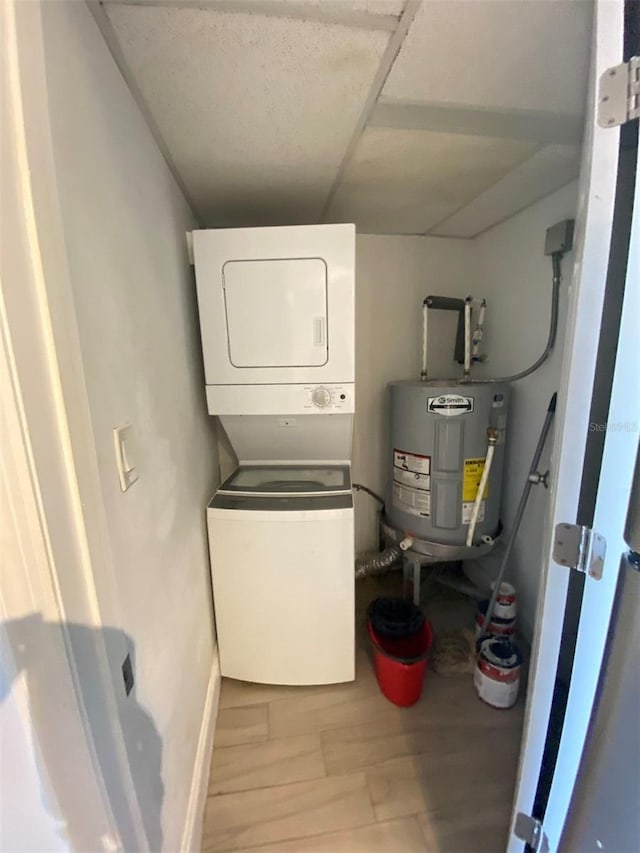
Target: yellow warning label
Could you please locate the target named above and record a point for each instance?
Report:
(473, 469)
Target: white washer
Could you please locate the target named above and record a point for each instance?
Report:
(281, 541)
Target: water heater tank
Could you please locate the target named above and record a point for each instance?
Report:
(437, 454)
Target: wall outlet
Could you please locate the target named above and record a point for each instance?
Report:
(127, 674)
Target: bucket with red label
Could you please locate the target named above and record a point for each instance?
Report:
(498, 627)
(497, 674)
(505, 606)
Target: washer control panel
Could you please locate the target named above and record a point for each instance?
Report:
(321, 397)
(332, 397)
(324, 398)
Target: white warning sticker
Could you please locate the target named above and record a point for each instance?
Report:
(467, 509)
(412, 478)
(413, 501)
(411, 462)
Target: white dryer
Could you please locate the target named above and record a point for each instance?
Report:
(276, 306)
(277, 321)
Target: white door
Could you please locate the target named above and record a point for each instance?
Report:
(276, 312)
(595, 217)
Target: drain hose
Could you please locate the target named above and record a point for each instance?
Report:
(383, 562)
(378, 563)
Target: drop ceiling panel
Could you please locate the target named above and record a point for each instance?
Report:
(372, 7)
(256, 111)
(497, 54)
(547, 170)
(406, 182)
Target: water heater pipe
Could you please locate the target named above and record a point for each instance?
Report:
(556, 261)
(425, 320)
(544, 432)
(492, 436)
(478, 332)
(467, 337)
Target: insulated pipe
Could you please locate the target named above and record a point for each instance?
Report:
(467, 337)
(492, 436)
(425, 319)
(544, 432)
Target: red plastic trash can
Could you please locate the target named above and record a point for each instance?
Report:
(400, 664)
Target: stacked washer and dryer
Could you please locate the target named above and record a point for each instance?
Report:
(277, 321)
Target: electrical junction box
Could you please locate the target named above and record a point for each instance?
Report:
(559, 238)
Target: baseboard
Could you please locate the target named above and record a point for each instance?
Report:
(192, 835)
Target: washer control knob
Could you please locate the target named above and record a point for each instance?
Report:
(320, 397)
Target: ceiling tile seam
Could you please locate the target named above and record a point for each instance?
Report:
(428, 232)
(387, 60)
(410, 234)
(508, 216)
(111, 39)
(546, 128)
(273, 9)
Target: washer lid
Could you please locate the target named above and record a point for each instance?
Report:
(288, 480)
(282, 503)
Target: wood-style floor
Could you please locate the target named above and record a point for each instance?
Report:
(339, 768)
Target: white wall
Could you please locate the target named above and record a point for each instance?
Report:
(124, 222)
(28, 823)
(516, 280)
(393, 275)
(51, 796)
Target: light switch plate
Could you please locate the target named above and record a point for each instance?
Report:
(123, 445)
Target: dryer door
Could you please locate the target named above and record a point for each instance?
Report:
(276, 312)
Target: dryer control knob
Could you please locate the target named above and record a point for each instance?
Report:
(320, 397)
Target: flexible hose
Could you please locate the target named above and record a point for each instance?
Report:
(491, 449)
(553, 328)
(386, 560)
(358, 487)
(378, 563)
